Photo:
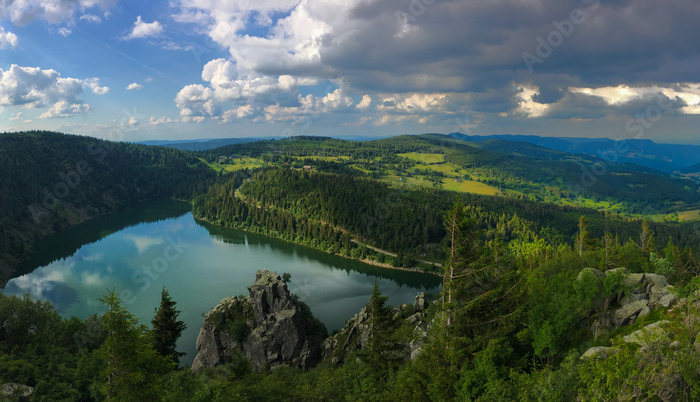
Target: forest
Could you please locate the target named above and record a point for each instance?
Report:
(529, 284)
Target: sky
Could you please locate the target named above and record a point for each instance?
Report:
(187, 69)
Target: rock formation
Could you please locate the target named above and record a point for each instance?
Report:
(641, 293)
(355, 334)
(270, 327)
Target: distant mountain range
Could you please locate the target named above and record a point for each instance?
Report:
(664, 157)
(207, 144)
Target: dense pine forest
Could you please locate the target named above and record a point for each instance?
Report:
(52, 180)
(536, 275)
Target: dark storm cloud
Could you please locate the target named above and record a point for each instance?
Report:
(476, 45)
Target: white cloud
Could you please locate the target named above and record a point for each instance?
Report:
(527, 104)
(63, 31)
(621, 94)
(364, 103)
(196, 102)
(65, 109)
(133, 86)
(91, 18)
(310, 104)
(22, 12)
(94, 85)
(32, 87)
(16, 116)
(7, 38)
(159, 121)
(414, 103)
(240, 112)
(144, 29)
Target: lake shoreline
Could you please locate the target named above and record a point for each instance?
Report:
(365, 261)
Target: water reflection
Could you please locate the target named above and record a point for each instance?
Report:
(200, 264)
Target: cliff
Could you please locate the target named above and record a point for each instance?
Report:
(269, 326)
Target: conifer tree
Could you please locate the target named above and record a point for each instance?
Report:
(133, 369)
(167, 328)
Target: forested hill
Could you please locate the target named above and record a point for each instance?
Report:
(510, 168)
(51, 180)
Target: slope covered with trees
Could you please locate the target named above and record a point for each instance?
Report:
(53, 180)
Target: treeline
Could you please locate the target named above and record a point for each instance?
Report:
(326, 211)
(508, 326)
(639, 191)
(52, 180)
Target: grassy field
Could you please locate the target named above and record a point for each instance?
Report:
(689, 215)
(424, 158)
(324, 158)
(238, 164)
(468, 186)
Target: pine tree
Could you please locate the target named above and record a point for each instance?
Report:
(646, 239)
(462, 253)
(167, 328)
(582, 237)
(380, 326)
(133, 369)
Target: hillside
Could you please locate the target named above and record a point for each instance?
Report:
(51, 181)
(664, 157)
(494, 167)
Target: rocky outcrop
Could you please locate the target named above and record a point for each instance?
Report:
(355, 334)
(269, 327)
(641, 293)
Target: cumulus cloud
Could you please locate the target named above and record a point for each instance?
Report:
(94, 85)
(196, 102)
(134, 86)
(32, 87)
(159, 121)
(7, 38)
(53, 11)
(63, 108)
(65, 32)
(470, 52)
(364, 103)
(144, 29)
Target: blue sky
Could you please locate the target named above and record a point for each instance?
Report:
(179, 69)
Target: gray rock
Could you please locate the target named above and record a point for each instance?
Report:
(276, 331)
(628, 313)
(667, 300)
(16, 390)
(645, 311)
(633, 297)
(651, 333)
(656, 279)
(597, 352)
(421, 303)
(632, 281)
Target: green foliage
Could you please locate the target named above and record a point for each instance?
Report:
(167, 328)
(132, 367)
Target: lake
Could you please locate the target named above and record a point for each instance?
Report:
(159, 243)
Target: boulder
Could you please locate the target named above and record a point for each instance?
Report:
(651, 333)
(597, 352)
(667, 300)
(627, 314)
(268, 327)
(421, 303)
(589, 271)
(632, 281)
